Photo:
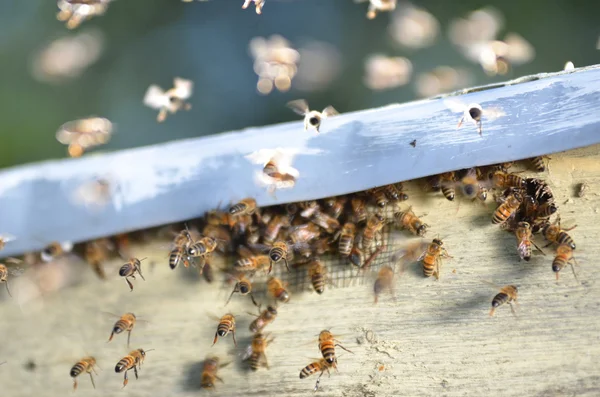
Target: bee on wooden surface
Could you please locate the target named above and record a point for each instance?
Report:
(55, 250)
(408, 220)
(564, 256)
(226, 325)
(580, 191)
(394, 192)
(125, 323)
(244, 287)
(130, 269)
(538, 163)
(384, 281)
(312, 118)
(448, 186)
(274, 227)
(359, 210)
(263, 319)
(327, 344)
(246, 206)
(376, 6)
(209, 373)
(510, 205)
(133, 361)
(378, 196)
(503, 180)
(86, 365)
(255, 353)
(5, 238)
(277, 290)
(318, 276)
(432, 258)
(335, 205)
(507, 294)
(346, 239)
(374, 225)
(555, 235)
(321, 365)
(170, 101)
(524, 243)
(259, 4)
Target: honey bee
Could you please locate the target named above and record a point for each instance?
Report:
(55, 250)
(314, 367)
(226, 325)
(335, 205)
(4, 277)
(327, 344)
(538, 163)
(178, 254)
(408, 220)
(523, 234)
(432, 258)
(308, 208)
(472, 113)
(274, 227)
(86, 364)
(555, 235)
(507, 208)
(346, 239)
(256, 351)
(471, 188)
(545, 211)
(508, 294)
(329, 223)
(447, 185)
(209, 372)
(312, 118)
(394, 192)
(244, 287)
(169, 101)
(564, 256)
(359, 210)
(374, 225)
(245, 207)
(376, 6)
(252, 263)
(503, 180)
(96, 253)
(278, 252)
(385, 281)
(259, 4)
(318, 276)
(202, 247)
(5, 238)
(277, 290)
(130, 269)
(263, 319)
(125, 323)
(378, 196)
(133, 361)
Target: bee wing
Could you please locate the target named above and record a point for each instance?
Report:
(329, 111)
(244, 252)
(454, 105)
(16, 271)
(247, 352)
(7, 237)
(410, 250)
(156, 98)
(259, 248)
(182, 88)
(66, 134)
(300, 106)
(493, 113)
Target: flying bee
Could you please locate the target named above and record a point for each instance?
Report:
(503, 180)
(4, 277)
(523, 234)
(55, 250)
(538, 163)
(432, 258)
(255, 353)
(376, 6)
(471, 188)
(555, 235)
(408, 220)
(274, 227)
(259, 4)
(346, 239)
(327, 344)
(564, 256)
(244, 287)
(374, 225)
(5, 238)
(314, 367)
(169, 101)
(209, 372)
(335, 205)
(473, 113)
(312, 118)
(133, 361)
(226, 325)
(510, 205)
(318, 276)
(130, 269)
(447, 184)
(178, 254)
(86, 364)
(125, 323)
(263, 319)
(245, 207)
(359, 210)
(507, 294)
(384, 281)
(277, 290)
(96, 253)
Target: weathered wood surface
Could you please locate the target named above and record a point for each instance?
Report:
(436, 339)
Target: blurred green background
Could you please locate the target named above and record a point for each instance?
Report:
(152, 41)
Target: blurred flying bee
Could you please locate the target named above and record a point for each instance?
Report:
(169, 101)
(5, 238)
(376, 6)
(447, 185)
(263, 319)
(55, 250)
(86, 365)
(4, 277)
(384, 281)
(374, 225)
(473, 113)
(327, 344)
(125, 323)
(378, 196)
(276, 289)
(335, 205)
(359, 210)
(226, 325)
(276, 179)
(318, 275)
(314, 367)
(245, 207)
(408, 220)
(255, 353)
(74, 12)
(130, 269)
(503, 180)
(471, 188)
(84, 134)
(259, 4)
(274, 227)
(564, 256)
(244, 287)
(538, 163)
(432, 258)
(96, 253)
(510, 205)
(209, 372)
(524, 243)
(178, 254)
(346, 239)
(133, 361)
(507, 294)
(312, 118)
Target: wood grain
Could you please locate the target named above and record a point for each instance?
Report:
(436, 338)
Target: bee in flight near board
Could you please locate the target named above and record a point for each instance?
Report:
(133, 361)
(258, 4)
(129, 270)
(507, 294)
(312, 118)
(85, 365)
(169, 101)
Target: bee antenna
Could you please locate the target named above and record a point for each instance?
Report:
(144, 258)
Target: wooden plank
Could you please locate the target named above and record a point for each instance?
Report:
(435, 339)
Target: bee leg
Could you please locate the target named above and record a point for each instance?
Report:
(337, 344)
(318, 382)
(135, 371)
(512, 309)
(92, 379)
(202, 262)
(492, 311)
(162, 115)
(538, 248)
(265, 362)
(74, 384)
(219, 379)
(233, 335)
(479, 127)
(460, 122)
(111, 337)
(232, 292)
(125, 379)
(574, 274)
(286, 264)
(130, 285)
(128, 338)
(216, 338)
(7, 290)
(139, 270)
(254, 300)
